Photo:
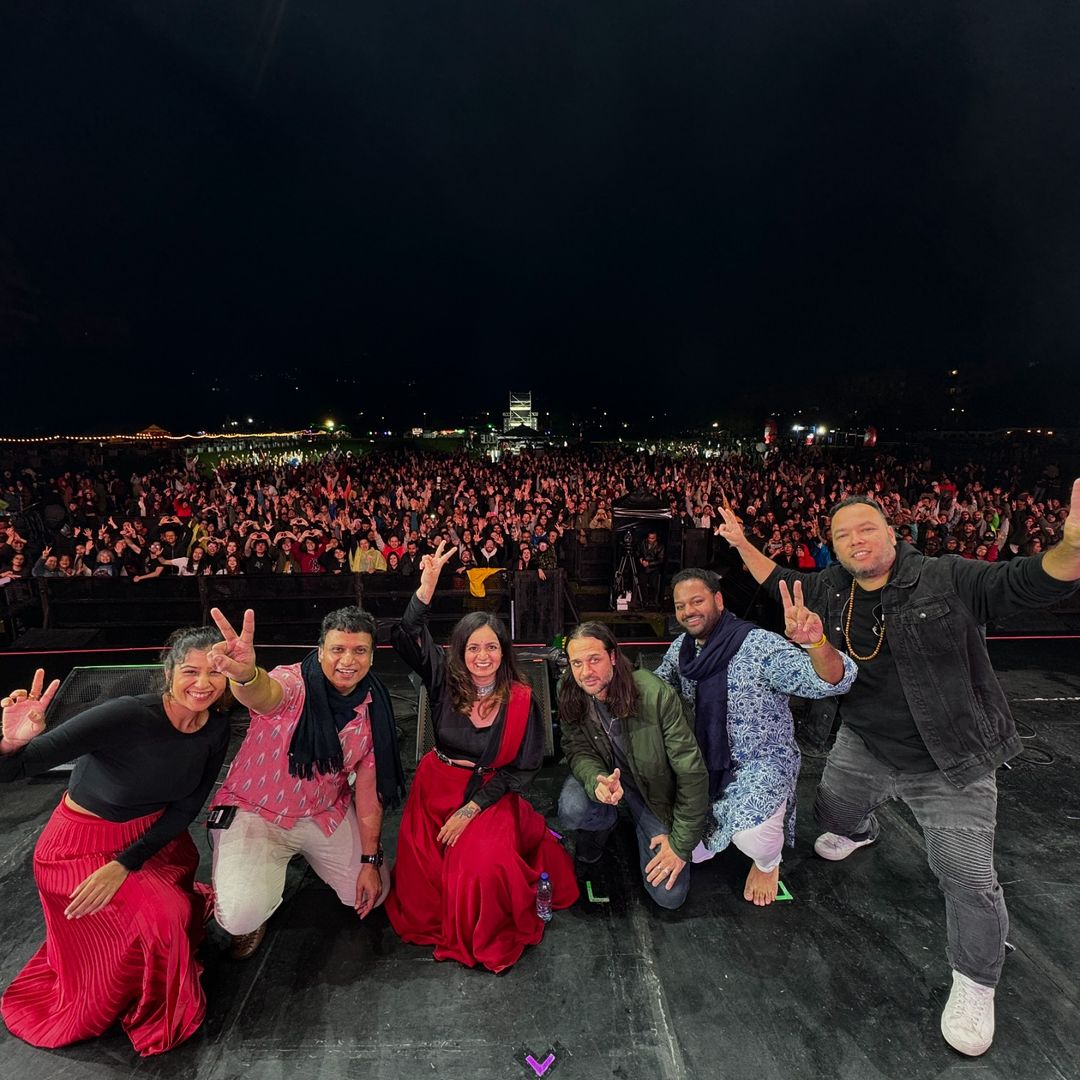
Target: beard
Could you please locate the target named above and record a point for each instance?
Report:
(863, 571)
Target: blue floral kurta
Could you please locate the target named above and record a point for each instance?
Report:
(762, 675)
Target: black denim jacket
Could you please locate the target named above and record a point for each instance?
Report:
(936, 610)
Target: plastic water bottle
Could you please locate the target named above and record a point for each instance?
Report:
(543, 898)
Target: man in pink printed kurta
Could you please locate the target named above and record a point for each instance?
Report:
(330, 811)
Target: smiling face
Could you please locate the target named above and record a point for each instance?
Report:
(193, 684)
(697, 610)
(865, 544)
(483, 655)
(345, 658)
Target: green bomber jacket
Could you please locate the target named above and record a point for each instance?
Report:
(664, 758)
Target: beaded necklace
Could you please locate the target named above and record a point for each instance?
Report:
(847, 631)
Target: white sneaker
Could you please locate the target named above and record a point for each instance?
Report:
(968, 1020)
(701, 853)
(832, 846)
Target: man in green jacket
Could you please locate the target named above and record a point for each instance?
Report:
(629, 743)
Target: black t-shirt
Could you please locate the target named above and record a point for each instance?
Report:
(875, 707)
(131, 762)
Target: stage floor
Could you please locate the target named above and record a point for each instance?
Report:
(845, 980)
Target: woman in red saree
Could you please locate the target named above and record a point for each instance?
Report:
(471, 849)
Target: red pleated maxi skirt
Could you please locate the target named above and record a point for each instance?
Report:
(133, 961)
(475, 901)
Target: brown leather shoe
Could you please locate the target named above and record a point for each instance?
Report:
(244, 945)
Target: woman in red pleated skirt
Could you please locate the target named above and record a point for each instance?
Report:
(115, 865)
(132, 961)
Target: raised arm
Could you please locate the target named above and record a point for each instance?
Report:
(430, 569)
(759, 564)
(235, 657)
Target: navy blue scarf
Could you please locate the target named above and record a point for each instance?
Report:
(315, 746)
(709, 669)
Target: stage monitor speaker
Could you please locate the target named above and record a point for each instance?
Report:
(86, 687)
(535, 671)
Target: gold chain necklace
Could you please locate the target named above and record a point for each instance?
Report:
(847, 631)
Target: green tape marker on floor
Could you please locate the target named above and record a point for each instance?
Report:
(782, 892)
(598, 899)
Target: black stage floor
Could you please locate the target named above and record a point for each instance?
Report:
(845, 980)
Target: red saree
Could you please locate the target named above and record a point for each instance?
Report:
(475, 901)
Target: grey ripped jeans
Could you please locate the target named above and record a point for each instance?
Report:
(958, 828)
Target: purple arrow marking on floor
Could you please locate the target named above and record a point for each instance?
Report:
(539, 1067)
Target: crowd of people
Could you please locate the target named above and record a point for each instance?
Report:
(887, 642)
(381, 512)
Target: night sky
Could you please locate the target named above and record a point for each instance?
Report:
(298, 209)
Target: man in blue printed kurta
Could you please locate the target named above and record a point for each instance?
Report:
(735, 679)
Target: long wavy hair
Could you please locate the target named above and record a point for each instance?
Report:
(460, 681)
(622, 693)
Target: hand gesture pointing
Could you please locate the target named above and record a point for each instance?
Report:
(235, 656)
(801, 625)
(24, 712)
(609, 789)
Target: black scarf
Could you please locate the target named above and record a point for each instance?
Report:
(315, 745)
(709, 669)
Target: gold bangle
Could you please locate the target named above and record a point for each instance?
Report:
(817, 644)
(241, 685)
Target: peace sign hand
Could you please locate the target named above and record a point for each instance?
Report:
(430, 569)
(731, 528)
(235, 656)
(24, 712)
(801, 625)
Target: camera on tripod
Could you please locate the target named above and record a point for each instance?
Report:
(634, 517)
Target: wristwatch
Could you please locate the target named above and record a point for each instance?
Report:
(375, 860)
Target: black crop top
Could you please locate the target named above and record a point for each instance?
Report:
(131, 762)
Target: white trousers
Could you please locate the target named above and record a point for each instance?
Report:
(765, 842)
(251, 856)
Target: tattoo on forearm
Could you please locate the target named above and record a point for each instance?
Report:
(466, 812)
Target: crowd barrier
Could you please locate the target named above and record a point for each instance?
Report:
(284, 604)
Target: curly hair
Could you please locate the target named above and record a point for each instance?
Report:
(177, 646)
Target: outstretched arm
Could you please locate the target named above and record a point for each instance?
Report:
(759, 564)
(235, 657)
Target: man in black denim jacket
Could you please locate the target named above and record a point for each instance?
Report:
(926, 721)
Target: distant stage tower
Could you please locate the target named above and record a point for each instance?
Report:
(521, 412)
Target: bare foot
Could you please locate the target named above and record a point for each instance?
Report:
(761, 888)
